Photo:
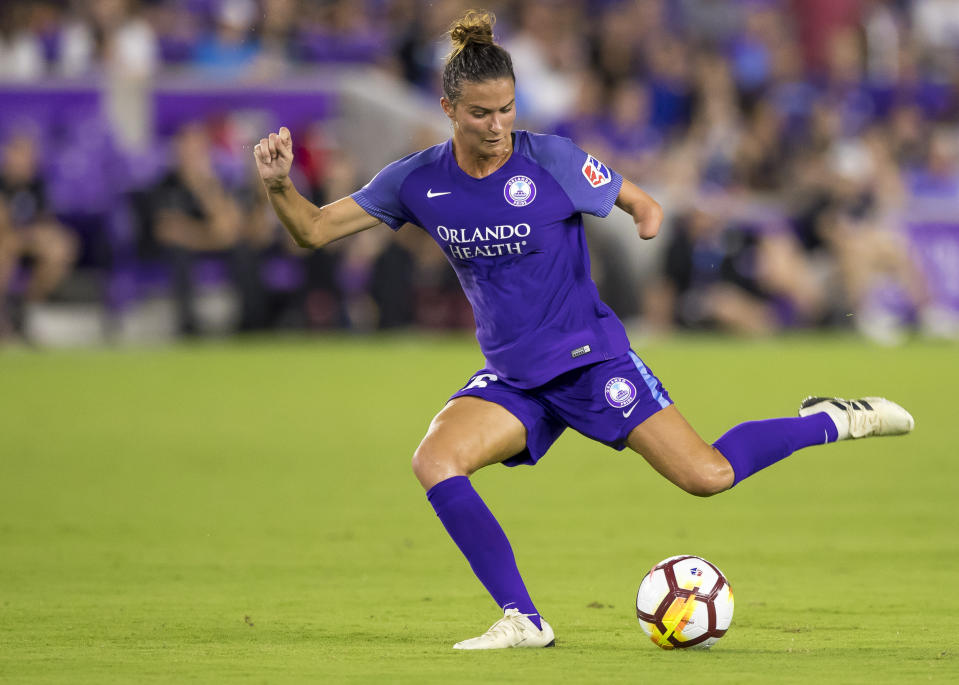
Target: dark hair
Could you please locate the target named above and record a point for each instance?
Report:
(475, 57)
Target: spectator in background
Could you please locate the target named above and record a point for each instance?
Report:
(28, 230)
(413, 42)
(343, 31)
(178, 31)
(936, 24)
(934, 189)
(937, 176)
(750, 51)
(634, 143)
(878, 281)
(708, 279)
(716, 126)
(325, 171)
(844, 87)
(21, 53)
(817, 21)
(615, 40)
(584, 121)
(547, 56)
(789, 90)
(195, 213)
(375, 282)
(279, 31)
(108, 36)
(710, 23)
(668, 75)
(907, 140)
(230, 51)
(762, 154)
(746, 275)
(765, 104)
(883, 29)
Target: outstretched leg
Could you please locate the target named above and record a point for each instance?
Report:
(468, 434)
(675, 450)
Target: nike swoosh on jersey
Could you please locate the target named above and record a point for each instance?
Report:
(627, 413)
(430, 193)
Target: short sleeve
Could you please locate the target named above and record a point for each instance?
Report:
(591, 186)
(381, 196)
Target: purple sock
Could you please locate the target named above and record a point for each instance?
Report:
(481, 540)
(754, 445)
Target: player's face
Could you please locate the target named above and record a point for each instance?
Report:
(483, 116)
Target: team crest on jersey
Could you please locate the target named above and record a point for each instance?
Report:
(520, 191)
(597, 173)
(620, 392)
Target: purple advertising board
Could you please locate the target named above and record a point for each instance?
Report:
(935, 245)
(49, 107)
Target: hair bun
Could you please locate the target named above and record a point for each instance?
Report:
(476, 26)
(475, 56)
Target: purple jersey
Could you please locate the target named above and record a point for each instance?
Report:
(516, 242)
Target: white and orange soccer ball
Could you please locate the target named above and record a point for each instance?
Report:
(684, 602)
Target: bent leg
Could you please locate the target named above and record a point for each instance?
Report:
(675, 450)
(466, 435)
(55, 250)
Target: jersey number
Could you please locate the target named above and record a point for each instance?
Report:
(480, 381)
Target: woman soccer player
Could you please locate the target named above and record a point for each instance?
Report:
(506, 207)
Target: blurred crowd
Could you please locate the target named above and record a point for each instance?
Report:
(791, 142)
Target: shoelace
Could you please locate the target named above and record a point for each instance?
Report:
(509, 624)
(862, 420)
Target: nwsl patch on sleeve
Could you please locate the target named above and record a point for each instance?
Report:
(597, 173)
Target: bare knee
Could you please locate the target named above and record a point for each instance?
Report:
(425, 466)
(708, 478)
(468, 434)
(676, 451)
(432, 465)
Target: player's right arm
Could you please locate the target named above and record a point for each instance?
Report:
(309, 225)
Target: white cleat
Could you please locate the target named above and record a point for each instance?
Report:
(861, 418)
(513, 630)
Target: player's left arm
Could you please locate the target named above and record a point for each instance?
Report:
(646, 212)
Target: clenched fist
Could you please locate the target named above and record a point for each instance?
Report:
(274, 157)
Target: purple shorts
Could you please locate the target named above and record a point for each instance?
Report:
(603, 401)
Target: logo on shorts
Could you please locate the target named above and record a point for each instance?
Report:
(520, 191)
(580, 351)
(620, 392)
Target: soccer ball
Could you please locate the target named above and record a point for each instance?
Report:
(684, 602)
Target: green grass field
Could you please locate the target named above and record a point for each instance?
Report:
(245, 512)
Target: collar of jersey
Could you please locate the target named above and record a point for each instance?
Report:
(496, 174)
